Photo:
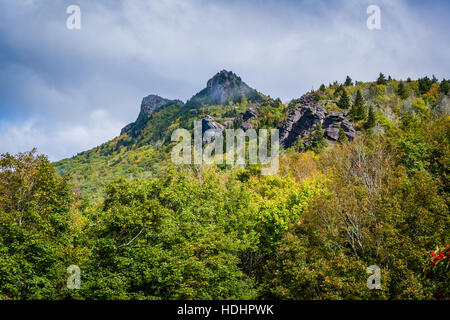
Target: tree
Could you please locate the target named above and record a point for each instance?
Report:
(344, 102)
(339, 89)
(316, 141)
(342, 137)
(322, 88)
(444, 87)
(370, 119)
(434, 79)
(348, 81)
(358, 111)
(425, 85)
(381, 79)
(35, 228)
(401, 90)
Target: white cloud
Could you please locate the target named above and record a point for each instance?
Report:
(58, 139)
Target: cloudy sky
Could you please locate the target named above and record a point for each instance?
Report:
(65, 91)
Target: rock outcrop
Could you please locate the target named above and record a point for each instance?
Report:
(300, 122)
(334, 122)
(208, 123)
(149, 105)
(250, 114)
(307, 116)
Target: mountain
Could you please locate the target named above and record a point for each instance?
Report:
(363, 185)
(225, 87)
(310, 122)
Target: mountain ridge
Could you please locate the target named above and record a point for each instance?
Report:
(313, 121)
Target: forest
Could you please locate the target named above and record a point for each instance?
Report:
(140, 227)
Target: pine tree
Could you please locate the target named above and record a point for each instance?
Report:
(344, 102)
(322, 88)
(434, 79)
(370, 119)
(401, 91)
(444, 86)
(348, 81)
(339, 89)
(316, 141)
(424, 85)
(342, 137)
(381, 79)
(358, 111)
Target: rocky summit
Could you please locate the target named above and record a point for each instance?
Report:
(150, 104)
(223, 88)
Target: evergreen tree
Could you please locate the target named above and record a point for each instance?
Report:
(370, 119)
(344, 102)
(322, 88)
(401, 91)
(358, 111)
(434, 79)
(316, 141)
(424, 85)
(338, 90)
(342, 137)
(444, 86)
(408, 80)
(348, 81)
(381, 79)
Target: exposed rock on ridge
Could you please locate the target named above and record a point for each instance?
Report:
(149, 105)
(225, 86)
(307, 116)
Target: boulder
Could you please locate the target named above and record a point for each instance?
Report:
(208, 123)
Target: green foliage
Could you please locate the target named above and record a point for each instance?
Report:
(342, 137)
(344, 101)
(315, 140)
(371, 120)
(322, 88)
(401, 91)
(358, 110)
(424, 85)
(348, 81)
(444, 86)
(381, 79)
(141, 229)
(35, 228)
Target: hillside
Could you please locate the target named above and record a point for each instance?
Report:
(363, 181)
(144, 146)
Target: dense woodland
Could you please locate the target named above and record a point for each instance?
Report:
(141, 228)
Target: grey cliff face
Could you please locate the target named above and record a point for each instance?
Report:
(225, 86)
(214, 128)
(151, 104)
(251, 113)
(307, 116)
